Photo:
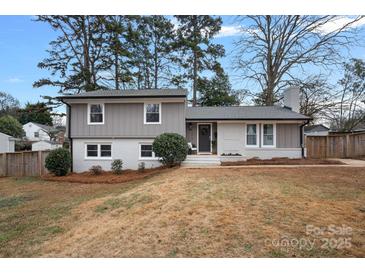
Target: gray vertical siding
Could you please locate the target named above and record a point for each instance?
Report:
(126, 120)
(287, 136)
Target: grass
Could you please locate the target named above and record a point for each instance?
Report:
(184, 213)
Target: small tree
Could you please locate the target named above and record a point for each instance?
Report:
(58, 161)
(9, 125)
(172, 148)
(117, 166)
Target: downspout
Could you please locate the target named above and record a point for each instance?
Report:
(69, 131)
(302, 136)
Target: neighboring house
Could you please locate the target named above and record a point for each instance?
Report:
(316, 130)
(108, 124)
(36, 132)
(7, 143)
(45, 145)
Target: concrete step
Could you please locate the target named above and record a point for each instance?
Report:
(201, 160)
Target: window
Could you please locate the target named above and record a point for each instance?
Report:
(251, 135)
(146, 151)
(96, 114)
(105, 151)
(152, 113)
(92, 151)
(99, 151)
(268, 135)
(36, 134)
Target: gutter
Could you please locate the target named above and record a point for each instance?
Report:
(119, 97)
(302, 136)
(69, 131)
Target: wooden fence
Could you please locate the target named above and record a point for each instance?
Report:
(26, 163)
(349, 145)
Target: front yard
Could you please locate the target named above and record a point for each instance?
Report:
(225, 212)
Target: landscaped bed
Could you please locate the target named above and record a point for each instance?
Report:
(282, 161)
(106, 177)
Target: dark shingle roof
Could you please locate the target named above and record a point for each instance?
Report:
(315, 128)
(130, 93)
(243, 113)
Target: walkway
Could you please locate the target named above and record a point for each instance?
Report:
(347, 163)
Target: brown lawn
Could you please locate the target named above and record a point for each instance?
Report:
(187, 213)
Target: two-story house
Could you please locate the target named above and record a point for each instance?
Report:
(112, 124)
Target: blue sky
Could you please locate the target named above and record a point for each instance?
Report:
(23, 43)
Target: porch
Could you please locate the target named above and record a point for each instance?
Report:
(202, 138)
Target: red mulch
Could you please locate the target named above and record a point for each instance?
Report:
(106, 177)
(283, 161)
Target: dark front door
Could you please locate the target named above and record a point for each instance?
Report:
(204, 138)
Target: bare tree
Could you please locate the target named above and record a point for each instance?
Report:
(8, 104)
(349, 110)
(272, 49)
(316, 96)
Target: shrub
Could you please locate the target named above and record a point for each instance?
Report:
(117, 166)
(171, 148)
(141, 166)
(11, 126)
(96, 170)
(58, 161)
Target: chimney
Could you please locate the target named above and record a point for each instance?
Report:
(291, 98)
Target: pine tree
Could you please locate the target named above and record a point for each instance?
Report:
(217, 91)
(75, 56)
(197, 52)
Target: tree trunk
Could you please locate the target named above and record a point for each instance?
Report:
(86, 68)
(195, 62)
(155, 65)
(116, 67)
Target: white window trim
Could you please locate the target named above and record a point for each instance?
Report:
(273, 132)
(145, 112)
(88, 114)
(257, 135)
(98, 151)
(153, 158)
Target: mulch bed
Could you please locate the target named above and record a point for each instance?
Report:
(283, 161)
(106, 177)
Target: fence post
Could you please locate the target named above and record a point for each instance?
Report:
(348, 145)
(5, 162)
(23, 165)
(39, 161)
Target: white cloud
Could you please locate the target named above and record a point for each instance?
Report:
(227, 31)
(340, 22)
(14, 80)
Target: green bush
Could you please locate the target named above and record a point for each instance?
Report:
(58, 161)
(117, 166)
(171, 148)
